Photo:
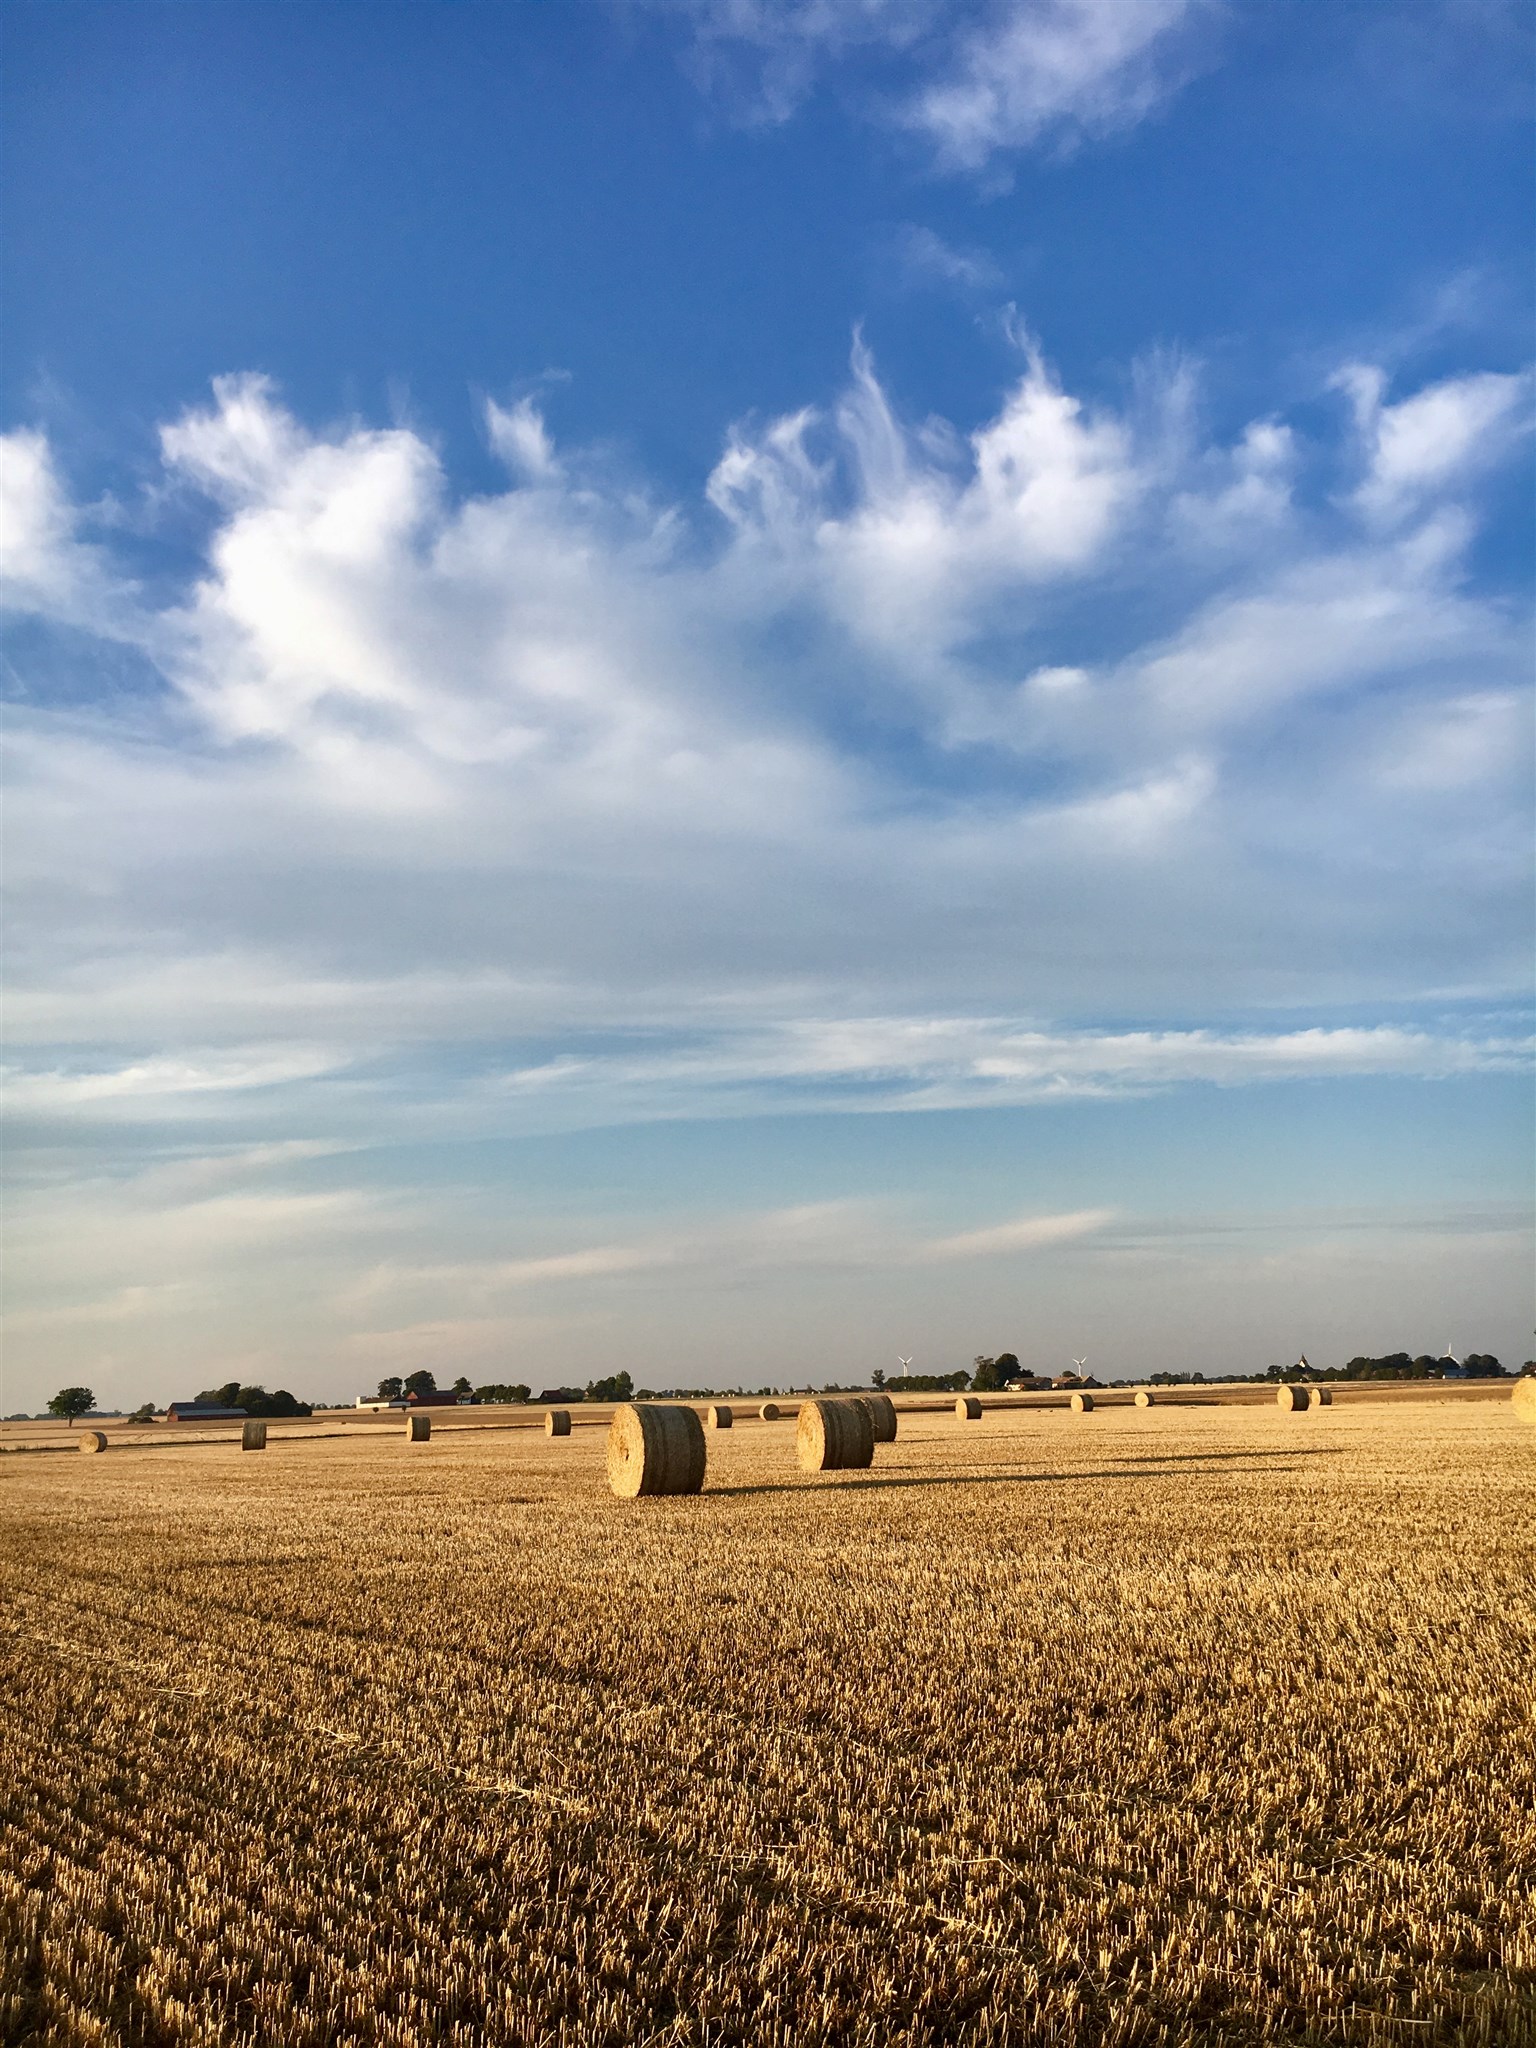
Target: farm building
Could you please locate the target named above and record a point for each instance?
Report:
(202, 1411)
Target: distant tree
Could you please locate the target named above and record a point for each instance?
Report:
(420, 1381)
(619, 1388)
(497, 1394)
(1007, 1365)
(275, 1407)
(876, 1379)
(144, 1414)
(1397, 1365)
(462, 1386)
(255, 1400)
(986, 1379)
(227, 1396)
(390, 1389)
(1484, 1366)
(71, 1403)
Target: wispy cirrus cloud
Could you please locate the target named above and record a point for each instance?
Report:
(386, 1091)
(1056, 70)
(1021, 1234)
(1436, 442)
(861, 735)
(974, 81)
(925, 257)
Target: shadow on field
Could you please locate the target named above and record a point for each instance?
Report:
(855, 1483)
(1228, 1457)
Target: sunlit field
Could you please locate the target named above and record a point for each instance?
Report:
(1199, 1724)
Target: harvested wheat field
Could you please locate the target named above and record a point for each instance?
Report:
(1205, 1724)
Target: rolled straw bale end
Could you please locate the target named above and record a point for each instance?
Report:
(1293, 1399)
(1143, 1397)
(418, 1429)
(1523, 1398)
(94, 1440)
(834, 1436)
(719, 1416)
(1322, 1397)
(968, 1408)
(253, 1436)
(1082, 1404)
(655, 1449)
(770, 1411)
(881, 1410)
(558, 1422)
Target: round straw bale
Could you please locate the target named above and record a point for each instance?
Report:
(1523, 1397)
(657, 1448)
(1293, 1398)
(253, 1436)
(94, 1440)
(1082, 1404)
(557, 1422)
(719, 1416)
(1144, 1397)
(968, 1408)
(881, 1410)
(1322, 1397)
(770, 1411)
(418, 1429)
(834, 1436)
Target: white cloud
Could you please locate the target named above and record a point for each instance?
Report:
(785, 43)
(153, 1083)
(974, 79)
(883, 1063)
(519, 436)
(1465, 743)
(906, 530)
(44, 565)
(1244, 495)
(835, 1236)
(1041, 68)
(1327, 623)
(1024, 1233)
(927, 258)
(560, 760)
(396, 1094)
(1436, 441)
(600, 1263)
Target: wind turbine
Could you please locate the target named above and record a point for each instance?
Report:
(1079, 1363)
(1447, 1352)
(903, 1363)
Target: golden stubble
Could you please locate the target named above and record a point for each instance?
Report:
(1192, 1724)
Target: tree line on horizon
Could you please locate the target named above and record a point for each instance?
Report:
(986, 1375)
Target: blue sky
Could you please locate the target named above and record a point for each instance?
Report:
(740, 688)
